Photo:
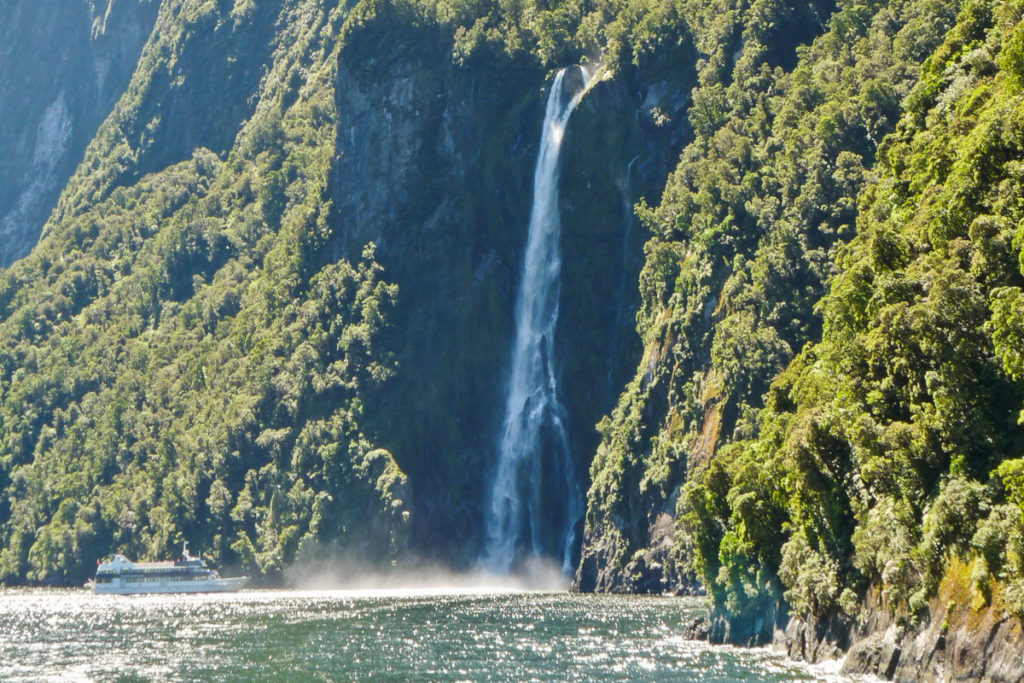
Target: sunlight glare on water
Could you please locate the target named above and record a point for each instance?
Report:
(395, 634)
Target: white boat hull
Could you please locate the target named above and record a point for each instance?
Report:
(119, 586)
(187, 574)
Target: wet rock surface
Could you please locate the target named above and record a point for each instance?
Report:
(954, 641)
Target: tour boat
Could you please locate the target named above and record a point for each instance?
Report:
(187, 574)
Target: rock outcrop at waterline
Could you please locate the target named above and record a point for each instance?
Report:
(957, 639)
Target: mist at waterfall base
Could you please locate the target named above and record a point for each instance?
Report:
(334, 571)
(536, 501)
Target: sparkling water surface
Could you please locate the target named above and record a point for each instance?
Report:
(394, 635)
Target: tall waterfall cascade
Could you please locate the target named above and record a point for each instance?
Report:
(536, 500)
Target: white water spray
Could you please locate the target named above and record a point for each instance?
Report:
(536, 499)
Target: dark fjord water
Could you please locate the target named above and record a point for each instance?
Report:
(378, 635)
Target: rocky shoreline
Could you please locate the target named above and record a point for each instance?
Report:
(956, 640)
(933, 652)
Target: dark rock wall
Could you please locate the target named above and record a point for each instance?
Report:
(434, 163)
(957, 639)
(63, 65)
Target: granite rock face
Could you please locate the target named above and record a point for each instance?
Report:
(433, 163)
(59, 79)
(954, 641)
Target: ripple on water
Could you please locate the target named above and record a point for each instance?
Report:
(345, 635)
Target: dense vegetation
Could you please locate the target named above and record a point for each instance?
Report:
(893, 446)
(271, 310)
(887, 453)
(172, 367)
(206, 344)
(742, 247)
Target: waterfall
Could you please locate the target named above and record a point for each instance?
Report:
(536, 499)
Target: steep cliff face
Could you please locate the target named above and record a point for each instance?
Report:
(739, 253)
(434, 164)
(962, 636)
(316, 391)
(434, 167)
(63, 65)
(829, 404)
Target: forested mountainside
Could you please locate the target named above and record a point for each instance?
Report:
(270, 313)
(744, 245)
(272, 310)
(174, 367)
(63, 65)
(827, 420)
